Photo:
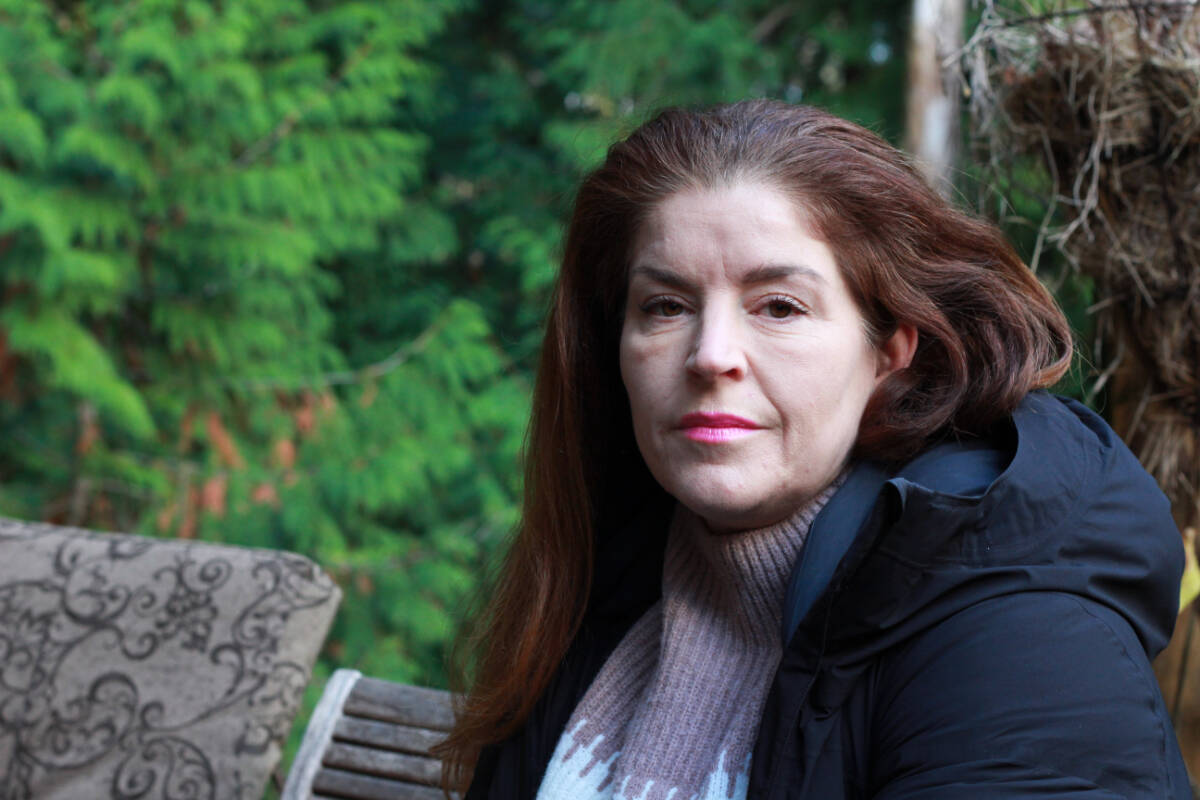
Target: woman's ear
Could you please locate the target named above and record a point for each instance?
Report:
(896, 352)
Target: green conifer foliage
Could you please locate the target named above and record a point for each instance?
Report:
(186, 188)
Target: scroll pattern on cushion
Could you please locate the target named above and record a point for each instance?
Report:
(152, 669)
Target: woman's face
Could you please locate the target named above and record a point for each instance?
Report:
(745, 359)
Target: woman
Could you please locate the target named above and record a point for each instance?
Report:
(797, 523)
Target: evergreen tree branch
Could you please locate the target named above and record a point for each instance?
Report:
(345, 377)
(256, 150)
(771, 22)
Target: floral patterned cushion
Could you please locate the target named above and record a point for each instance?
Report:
(143, 668)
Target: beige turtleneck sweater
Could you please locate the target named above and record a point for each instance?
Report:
(674, 711)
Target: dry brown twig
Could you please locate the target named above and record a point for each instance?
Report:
(1107, 97)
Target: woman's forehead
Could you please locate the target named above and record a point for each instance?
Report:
(749, 232)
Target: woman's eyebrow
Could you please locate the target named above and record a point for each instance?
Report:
(774, 272)
(663, 276)
(759, 274)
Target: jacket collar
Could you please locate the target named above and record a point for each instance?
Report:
(1051, 501)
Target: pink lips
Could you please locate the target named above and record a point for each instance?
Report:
(716, 428)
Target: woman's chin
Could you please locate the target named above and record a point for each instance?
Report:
(738, 505)
(731, 512)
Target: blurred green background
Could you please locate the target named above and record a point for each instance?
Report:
(274, 271)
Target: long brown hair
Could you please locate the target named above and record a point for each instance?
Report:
(988, 334)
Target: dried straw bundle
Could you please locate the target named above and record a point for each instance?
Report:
(1107, 96)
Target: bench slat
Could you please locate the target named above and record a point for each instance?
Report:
(319, 734)
(335, 783)
(369, 740)
(414, 706)
(386, 735)
(384, 763)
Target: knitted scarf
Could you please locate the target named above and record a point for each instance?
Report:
(674, 711)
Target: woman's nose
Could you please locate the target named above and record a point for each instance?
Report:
(717, 348)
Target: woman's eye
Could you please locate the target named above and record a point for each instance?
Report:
(782, 308)
(664, 308)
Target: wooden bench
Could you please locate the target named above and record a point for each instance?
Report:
(369, 739)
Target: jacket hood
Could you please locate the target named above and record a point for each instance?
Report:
(1052, 501)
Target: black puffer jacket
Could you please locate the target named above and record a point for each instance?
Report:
(977, 625)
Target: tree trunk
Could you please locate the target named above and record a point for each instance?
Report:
(934, 93)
